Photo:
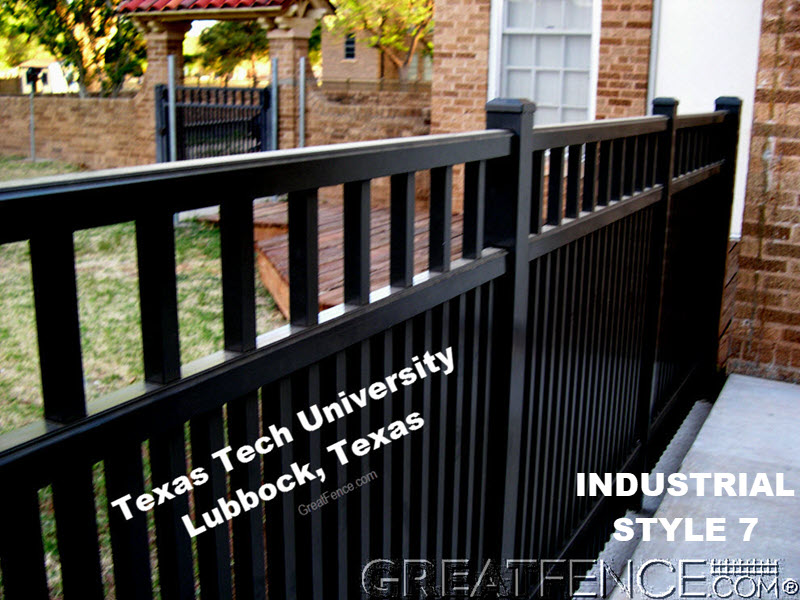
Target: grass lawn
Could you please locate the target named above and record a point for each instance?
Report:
(105, 263)
(19, 167)
(108, 297)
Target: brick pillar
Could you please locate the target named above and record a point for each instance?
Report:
(460, 66)
(288, 43)
(162, 38)
(624, 58)
(460, 73)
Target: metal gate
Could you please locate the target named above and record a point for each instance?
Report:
(212, 121)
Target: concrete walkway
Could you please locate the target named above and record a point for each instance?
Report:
(754, 427)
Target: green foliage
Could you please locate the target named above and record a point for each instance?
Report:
(15, 47)
(398, 28)
(226, 44)
(315, 46)
(84, 34)
(124, 56)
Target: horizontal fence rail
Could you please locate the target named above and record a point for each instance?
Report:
(580, 320)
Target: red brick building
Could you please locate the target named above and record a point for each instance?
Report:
(608, 58)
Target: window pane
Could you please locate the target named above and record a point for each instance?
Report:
(576, 89)
(578, 52)
(518, 84)
(548, 14)
(519, 14)
(548, 51)
(574, 114)
(545, 116)
(519, 50)
(578, 15)
(350, 46)
(547, 91)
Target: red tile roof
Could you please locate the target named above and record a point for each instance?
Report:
(138, 6)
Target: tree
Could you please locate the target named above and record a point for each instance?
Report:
(398, 28)
(14, 46)
(87, 35)
(226, 44)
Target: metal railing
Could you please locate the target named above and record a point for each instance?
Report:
(582, 318)
(213, 121)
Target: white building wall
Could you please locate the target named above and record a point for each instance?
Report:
(705, 49)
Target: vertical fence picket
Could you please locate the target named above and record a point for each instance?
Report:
(555, 187)
(213, 546)
(239, 319)
(303, 258)
(129, 542)
(441, 207)
(357, 242)
(484, 398)
(53, 273)
(21, 550)
(57, 324)
(573, 181)
(443, 423)
(155, 244)
(606, 164)
(401, 248)
(423, 404)
(538, 193)
(456, 399)
(618, 169)
(474, 203)
(472, 368)
(590, 177)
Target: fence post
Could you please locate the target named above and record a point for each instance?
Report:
(273, 106)
(263, 120)
(162, 149)
(667, 107)
(730, 144)
(301, 126)
(507, 225)
(171, 100)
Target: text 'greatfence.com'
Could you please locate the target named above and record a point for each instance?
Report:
(331, 496)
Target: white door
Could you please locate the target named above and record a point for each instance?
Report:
(706, 49)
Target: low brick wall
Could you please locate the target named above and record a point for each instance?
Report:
(355, 116)
(97, 133)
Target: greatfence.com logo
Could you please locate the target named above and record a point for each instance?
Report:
(577, 578)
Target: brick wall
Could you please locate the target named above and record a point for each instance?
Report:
(765, 334)
(335, 67)
(460, 73)
(624, 58)
(460, 65)
(98, 133)
(341, 116)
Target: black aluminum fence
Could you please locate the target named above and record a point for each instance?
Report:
(213, 121)
(582, 317)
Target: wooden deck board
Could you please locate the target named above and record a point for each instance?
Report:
(270, 220)
(272, 252)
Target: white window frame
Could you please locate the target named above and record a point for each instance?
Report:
(497, 19)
